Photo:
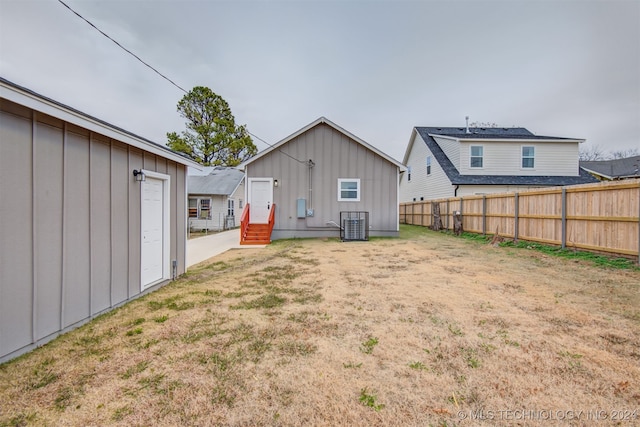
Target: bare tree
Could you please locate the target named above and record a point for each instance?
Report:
(483, 125)
(593, 152)
(623, 154)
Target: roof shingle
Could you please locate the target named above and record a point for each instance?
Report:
(220, 181)
(616, 168)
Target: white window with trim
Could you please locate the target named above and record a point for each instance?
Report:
(193, 208)
(428, 165)
(348, 189)
(528, 157)
(408, 173)
(476, 156)
(230, 209)
(205, 209)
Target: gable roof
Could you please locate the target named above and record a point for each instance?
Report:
(313, 124)
(30, 99)
(505, 134)
(614, 169)
(220, 181)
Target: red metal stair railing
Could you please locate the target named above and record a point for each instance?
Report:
(256, 234)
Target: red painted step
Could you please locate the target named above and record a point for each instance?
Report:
(256, 234)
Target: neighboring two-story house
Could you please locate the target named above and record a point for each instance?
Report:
(449, 161)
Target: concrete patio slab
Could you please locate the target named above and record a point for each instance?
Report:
(203, 248)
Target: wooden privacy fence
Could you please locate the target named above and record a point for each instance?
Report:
(601, 217)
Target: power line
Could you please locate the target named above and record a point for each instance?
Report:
(286, 154)
(158, 72)
(121, 47)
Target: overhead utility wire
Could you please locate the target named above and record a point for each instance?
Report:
(286, 154)
(122, 47)
(156, 71)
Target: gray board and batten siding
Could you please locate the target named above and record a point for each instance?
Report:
(70, 217)
(336, 154)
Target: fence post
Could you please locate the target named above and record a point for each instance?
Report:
(516, 209)
(564, 218)
(447, 226)
(484, 215)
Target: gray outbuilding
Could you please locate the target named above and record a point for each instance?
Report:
(91, 216)
(324, 182)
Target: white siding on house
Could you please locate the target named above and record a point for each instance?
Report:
(423, 186)
(219, 210)
(505, 158)
(451, 148)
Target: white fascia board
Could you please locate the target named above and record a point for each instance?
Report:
(58, 111)
(451, 138)
(412, 140)
(519, 140)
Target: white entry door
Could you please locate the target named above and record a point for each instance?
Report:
(152, 226)
(260, 199)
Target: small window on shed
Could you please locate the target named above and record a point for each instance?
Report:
(349, 189)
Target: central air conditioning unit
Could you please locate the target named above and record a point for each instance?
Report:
(354, 226)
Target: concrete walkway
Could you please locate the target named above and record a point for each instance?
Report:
(203, 248)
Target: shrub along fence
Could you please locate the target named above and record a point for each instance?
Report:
(602, 217)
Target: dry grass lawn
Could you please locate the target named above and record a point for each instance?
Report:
(428, 329)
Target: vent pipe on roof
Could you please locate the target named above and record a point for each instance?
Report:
(467, 119)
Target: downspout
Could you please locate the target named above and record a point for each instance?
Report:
(455, 191)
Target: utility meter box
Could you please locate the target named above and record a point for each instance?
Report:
(301, 208)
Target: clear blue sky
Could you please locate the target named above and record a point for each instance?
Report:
(376, 68)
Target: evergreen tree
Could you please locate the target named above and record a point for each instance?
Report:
(211, 137)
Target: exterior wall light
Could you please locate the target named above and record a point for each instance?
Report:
(275, 182)
(139, 175)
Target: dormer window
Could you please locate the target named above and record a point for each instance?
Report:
(476, 156)
(528, 157)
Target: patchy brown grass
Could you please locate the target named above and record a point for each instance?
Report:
(424, 330)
